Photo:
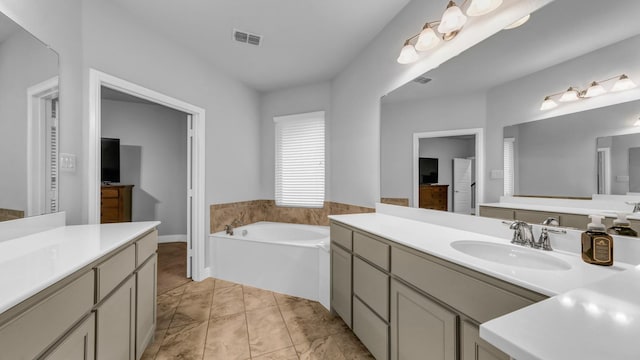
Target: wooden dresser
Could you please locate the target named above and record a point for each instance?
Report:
(115, 203)
(434, 197)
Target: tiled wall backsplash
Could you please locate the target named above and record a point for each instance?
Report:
(248, 212)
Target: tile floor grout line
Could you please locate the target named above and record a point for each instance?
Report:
(204, 345)
(286, 326)
(246, 322)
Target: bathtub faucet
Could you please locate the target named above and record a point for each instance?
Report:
(229, 227)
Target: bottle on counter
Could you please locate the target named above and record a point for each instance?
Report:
(621, 226)
(597, 245)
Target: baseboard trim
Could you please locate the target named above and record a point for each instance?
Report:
(172, 238)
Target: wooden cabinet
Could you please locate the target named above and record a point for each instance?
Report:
(371, 330)
(79, 344)
(115, 324)
(475, 348)
(420, 328)
(434, 197)
(115, 203)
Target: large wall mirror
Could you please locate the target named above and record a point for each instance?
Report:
(443, 109)
(29, 133)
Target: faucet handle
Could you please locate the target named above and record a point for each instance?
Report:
(551, 221)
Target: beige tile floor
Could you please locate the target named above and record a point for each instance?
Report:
(215, 319)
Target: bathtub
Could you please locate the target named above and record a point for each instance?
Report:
(291, 259)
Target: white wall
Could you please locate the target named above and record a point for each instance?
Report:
(314, 97)
(624, 164)
(519, 100)
(445, 150)
(399, 121)
(24, 62)
(153, 158)
(356, 92)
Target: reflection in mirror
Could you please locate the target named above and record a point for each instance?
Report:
(28, 124)
(575, 155)
(618, 164)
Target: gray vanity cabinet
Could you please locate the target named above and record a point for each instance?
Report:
(341, 268)
(420, 328)
(115, 328)
(79, 344)
(146, 280)
(475, 348)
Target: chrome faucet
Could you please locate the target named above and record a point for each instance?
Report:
(543, 242)
(229, 227)
(636, 206)
(522, 233)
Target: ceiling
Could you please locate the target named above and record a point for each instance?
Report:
(556, 33)
(304, 41)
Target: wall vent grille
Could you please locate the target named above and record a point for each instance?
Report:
(247, 38)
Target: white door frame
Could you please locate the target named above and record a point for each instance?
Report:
(98, 79)
(479, 134)
(36, 117)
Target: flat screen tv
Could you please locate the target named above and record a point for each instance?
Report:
(428, 171)
(110, 159)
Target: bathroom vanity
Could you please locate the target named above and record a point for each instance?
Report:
(412, 289)
(79, 292)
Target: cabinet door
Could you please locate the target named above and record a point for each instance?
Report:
(115, 324)
(474, 348)
(420, 328)
(145, 304)
(79, 344)
(341, 283)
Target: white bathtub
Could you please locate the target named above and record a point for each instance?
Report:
(291, 259)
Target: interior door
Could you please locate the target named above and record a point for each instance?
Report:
(462, 186)
(190, 203)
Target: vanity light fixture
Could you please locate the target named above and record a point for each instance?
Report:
(595, 88)
(450, 24)
(519, 22)
(637, 123)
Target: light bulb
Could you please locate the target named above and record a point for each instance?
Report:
(452, 20)
(571, 94)
(519, 22)
(623, 83)
(482, 7)
(548, 104)
(427, 39)
(594, 89)
(408, 54)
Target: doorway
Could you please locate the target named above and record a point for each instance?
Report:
(195, 262)
(459, 159)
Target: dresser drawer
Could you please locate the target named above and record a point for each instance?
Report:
(477, 299)
(146, 246)
(35, 330)
(109, 193)
(109, 203)
(371, 330)
(342, 236)
(371, 249)
(113, 271)
(372, 286)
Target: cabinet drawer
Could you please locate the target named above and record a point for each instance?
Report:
(477, 299)
(109, 193)
(79, 344)
(146, 246)
(342, 236)
(372, 287)
(109, 203)
(371, 330)
(373, 250)
(35, 330)
(113, 271)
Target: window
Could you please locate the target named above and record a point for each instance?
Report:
(300, 160)
(509, 166)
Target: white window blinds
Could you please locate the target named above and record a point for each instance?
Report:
(509, 166)
(300, 160)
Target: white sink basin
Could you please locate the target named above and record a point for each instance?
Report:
(510, 255)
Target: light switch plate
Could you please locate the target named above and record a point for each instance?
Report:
(67, 162)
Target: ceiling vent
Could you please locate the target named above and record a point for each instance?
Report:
(247, 38)
(422, 80)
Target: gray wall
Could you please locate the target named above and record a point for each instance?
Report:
(153, 157)
(24, 62)
(622, 164)
(445, 150)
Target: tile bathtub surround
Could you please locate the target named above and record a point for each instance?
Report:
(216, 319)
(249, 212)
(395, 201)
(9, 214)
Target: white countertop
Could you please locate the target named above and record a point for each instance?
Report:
(32, 263)
(594, 312)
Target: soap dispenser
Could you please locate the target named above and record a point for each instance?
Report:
(597, 245)
(621, 226)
